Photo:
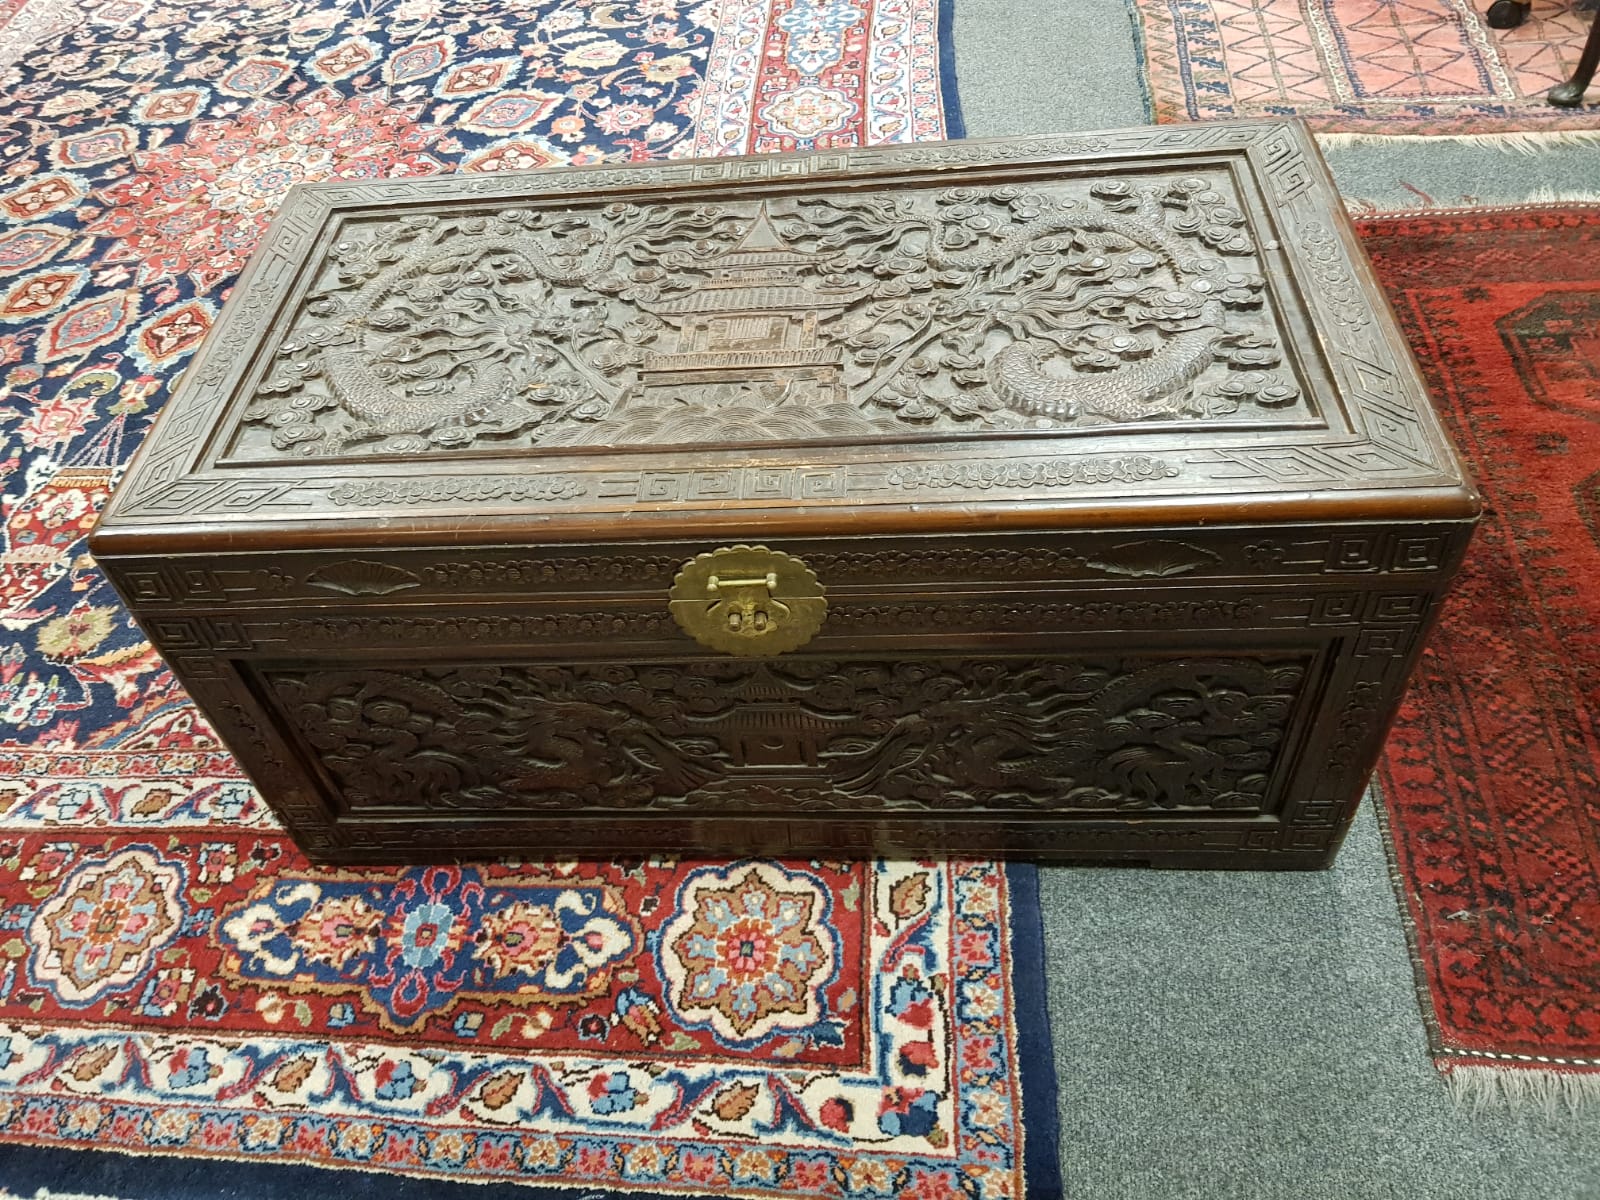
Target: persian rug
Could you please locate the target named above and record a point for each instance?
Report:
(1492, 775)
(1363, 66)
(176, 982)
(730, 1029)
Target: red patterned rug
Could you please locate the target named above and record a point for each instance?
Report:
(732, 1029)
(1493, 774)
(175, 981)
(1363, 66)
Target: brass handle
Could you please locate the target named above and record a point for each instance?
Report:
(748, 600)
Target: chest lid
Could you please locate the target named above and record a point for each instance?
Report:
(1030, 333)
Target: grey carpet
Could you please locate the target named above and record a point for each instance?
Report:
(1405, 174)
(1043, 66)
(1256, 1036)
(1224, 1036)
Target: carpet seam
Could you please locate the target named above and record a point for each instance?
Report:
(1141, 60)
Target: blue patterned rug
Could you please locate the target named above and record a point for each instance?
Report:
(187, 1009)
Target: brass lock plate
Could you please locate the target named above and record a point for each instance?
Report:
(748, 600)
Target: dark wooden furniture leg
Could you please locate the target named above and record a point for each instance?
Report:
(1507, 14)
(1570, 93)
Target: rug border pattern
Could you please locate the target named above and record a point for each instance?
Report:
(219, 1132)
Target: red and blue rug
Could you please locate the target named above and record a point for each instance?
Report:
(176, 983)
(635, 1028)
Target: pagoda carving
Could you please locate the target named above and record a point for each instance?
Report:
(757, 318)
(769, 728)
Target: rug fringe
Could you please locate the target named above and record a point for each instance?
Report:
(1476, 1088)
(1529, 143)
(1544, 197)
(1550, 195)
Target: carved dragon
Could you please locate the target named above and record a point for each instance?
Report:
(1129, 393)
(1069, 217)
(1110, 748)
(388, 410)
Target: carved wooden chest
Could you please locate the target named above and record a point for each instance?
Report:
(1069, 497)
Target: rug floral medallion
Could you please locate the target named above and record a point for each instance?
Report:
(175, 980)
(738, 1028)
(1363, 66)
